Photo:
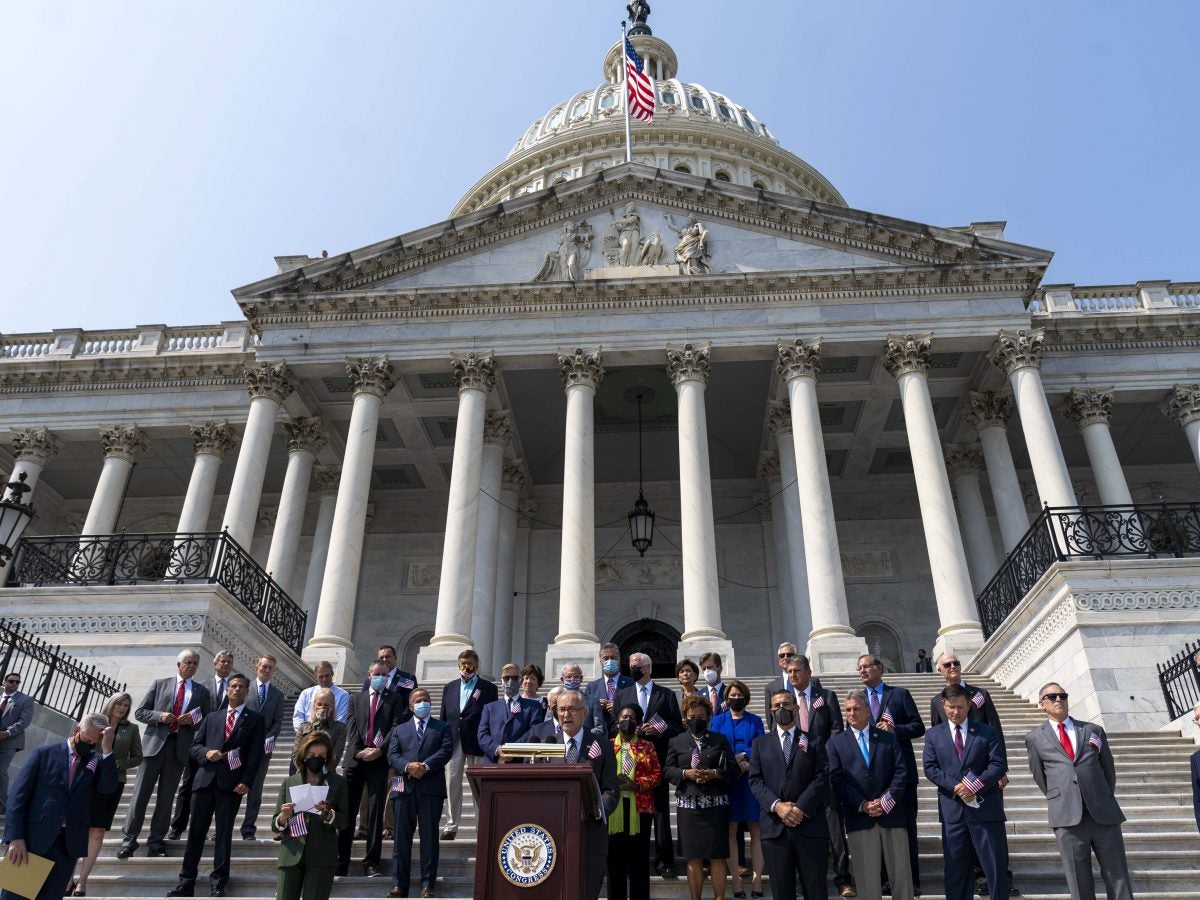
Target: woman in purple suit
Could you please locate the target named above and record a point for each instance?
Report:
(740, 729)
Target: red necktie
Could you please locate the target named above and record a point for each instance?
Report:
(4, 705)
(958, 742)
(1066, 741)
(177, 709)
(371, 720)
(229, 723)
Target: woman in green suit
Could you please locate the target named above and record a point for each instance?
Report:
(308, 855)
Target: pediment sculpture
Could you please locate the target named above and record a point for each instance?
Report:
(623, 242)
(567, 263)
(691, 253)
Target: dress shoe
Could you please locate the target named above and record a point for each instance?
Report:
(341, 872)
(157, 851)
(756, 893)
(371, 871)
(172, 835)
(1013, 890)
(126, 851)
(247, 835)
(665, 871)
(426, 892)
(739, 894)
(182, 890)
(217, 892)
(449, 834)
(397, 892)
(885, 889)
(847, 890)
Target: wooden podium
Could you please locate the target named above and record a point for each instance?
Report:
(511, 859)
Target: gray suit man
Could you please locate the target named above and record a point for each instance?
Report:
(166, 712)
(1073, 765)
(266, 700)
(16, 712)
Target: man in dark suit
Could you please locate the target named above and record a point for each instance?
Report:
(1073, 765)
(222, 669)
(923, 663)
(463, 700)
(602, 693)
(661, 721)
(789, 779)
(50, 798)
(868, 774)
(710, 686)
(967, 762)
(893, 710)
(784, 655)
(170, 711)
(1196, 769)
(588, 748)
(399, 682)
(266, 700)
(228, 749)
(418, 752)
(372, 717)
(509, 718)
(16, 712)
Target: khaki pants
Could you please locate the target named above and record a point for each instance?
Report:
(868, 848)
(454, 791)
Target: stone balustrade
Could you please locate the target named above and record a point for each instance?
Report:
(1057, 300)
(147, 340)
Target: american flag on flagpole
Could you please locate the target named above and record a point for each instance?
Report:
(639, 91)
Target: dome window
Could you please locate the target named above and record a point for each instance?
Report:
(608, 101)
(699, 103)
(684, 169)
(747, 123)
(579, 110)
(556, 119)
(758, 184)
(668, 98)
(721, 175)
(725, 112)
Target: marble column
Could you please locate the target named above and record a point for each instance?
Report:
(832, 646)
(1019, 356)
(497, 433)
(305, 438)
(32, 448)
(1183, 405)
(210, 442)
(475, 376)
(688, 369)
(269, 385)
(1091, 409)
(123, 444)
(325, 481)
(513, 480)
(768, 469)
(371, 378)
(988, 413)
(526, 518)
(576, 641)
(906, 357)
(779, 422)
(964, 462)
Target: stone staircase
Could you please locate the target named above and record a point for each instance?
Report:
(1152, 774)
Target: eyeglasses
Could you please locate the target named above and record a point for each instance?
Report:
(864, 668)
(1054, 698)
(952, 664)
(786, 655)
(12, 680)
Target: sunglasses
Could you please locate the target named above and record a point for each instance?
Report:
(952, 664)
(12, 680)
(786, 655)
(1054, 698)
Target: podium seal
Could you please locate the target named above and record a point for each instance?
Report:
(527, 855)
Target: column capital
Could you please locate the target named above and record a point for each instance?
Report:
(514, 476)
(474, 371)
(126, 442)
(371, 375)
(271, 380)
(768, 465)
(497, 427)
(963, 459)
(988, 409)
(581, 367)
(526, 511)
(1182, 404)
(796, 359)
(36, 444)
(779, 418)
(762, 500)
(906, 354)
(213, 438)
(1017, 351)
(1088, 406)
(326, 479)
(305, 433)
(688, 363)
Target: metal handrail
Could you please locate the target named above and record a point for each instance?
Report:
(56, 680)
(1180, 680)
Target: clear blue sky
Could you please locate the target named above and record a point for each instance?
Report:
(155, 155)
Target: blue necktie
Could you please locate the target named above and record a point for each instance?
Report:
(862, 745)
(262, 694)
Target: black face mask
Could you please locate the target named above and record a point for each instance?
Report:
(697, 726)
(784, 716)
(636, 673)
(315, 764)
(83, 748)
(627, 726)
(737, 704)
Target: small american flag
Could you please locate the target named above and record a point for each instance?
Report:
(640, 93)
(594, 751)
(1096, 741)
(234, 759)
(888, 802)
(695, 757)
(978, 700)
(475, 694)
(802, 744)
(297, 826)
(657, 724)
(887, 717)
(196, 715)
(972, 781)
(398, 784)
(378, 741)
(627, 763)
(407, 683)
(93, 763)
(515, 708)
(269, 745)
(818, 703)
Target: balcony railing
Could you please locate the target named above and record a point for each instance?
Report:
(1180, 680)
(51, 677)
(212, 557)
(1064, 533)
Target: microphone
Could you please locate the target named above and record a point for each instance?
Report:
(534, 739)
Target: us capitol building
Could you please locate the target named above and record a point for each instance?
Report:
(848, 426)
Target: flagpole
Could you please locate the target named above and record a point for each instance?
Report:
(625, 82)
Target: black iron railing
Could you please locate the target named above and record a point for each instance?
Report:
(1087, 532)
(212, 557)
(1180, 680)
(51, 677)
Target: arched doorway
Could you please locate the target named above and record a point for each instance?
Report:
(656, 639)
(883, 642)
(410, 648)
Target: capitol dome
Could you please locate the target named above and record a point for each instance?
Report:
(696, 131)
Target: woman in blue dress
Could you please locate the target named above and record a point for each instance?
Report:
(740, 729)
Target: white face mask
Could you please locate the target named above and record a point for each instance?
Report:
(712, 676)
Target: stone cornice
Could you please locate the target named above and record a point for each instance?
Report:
(88, 377)
(1158, 330)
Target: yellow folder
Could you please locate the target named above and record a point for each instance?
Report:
(25, 880)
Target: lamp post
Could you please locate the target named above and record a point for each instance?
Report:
(15, 514)
(641, 517)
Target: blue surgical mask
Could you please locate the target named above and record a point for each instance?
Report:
(378, 682)
(611, 667)
(572, 684)
(421, 710)
(510, 686)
